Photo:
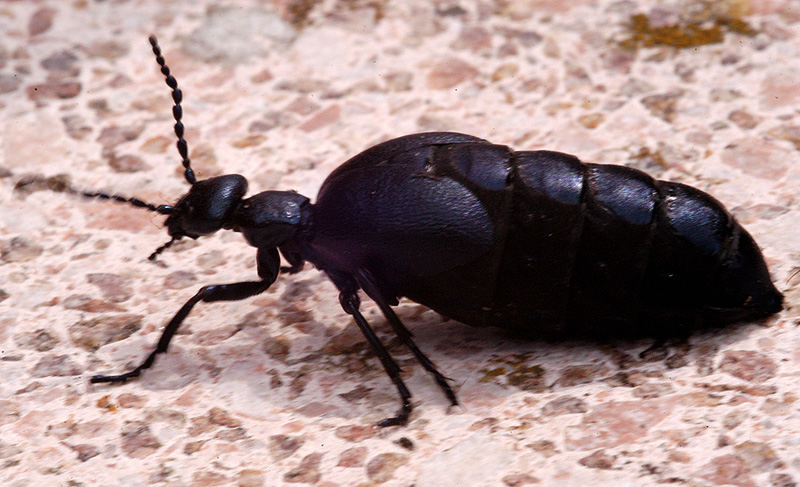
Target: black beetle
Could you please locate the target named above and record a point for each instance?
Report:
(535, 242)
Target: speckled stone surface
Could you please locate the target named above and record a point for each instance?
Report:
(281, 389)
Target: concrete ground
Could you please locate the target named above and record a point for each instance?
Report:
(282, 389)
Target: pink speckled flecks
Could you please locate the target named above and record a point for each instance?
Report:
(282, 389)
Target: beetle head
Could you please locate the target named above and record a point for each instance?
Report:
(206, 208)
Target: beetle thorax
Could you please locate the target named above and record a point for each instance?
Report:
(270, 218)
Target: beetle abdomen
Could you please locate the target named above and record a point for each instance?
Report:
(598, 249)
(537, 241)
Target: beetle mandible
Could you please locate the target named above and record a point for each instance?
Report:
(531, 241)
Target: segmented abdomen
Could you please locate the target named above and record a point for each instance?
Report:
(598, 249)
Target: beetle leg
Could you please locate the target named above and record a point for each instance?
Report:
(656, 351)
(660, 347)
(293, 257)
(406, 336)
(367, 283)
(215, 292)
(350, 304)
(268, 262)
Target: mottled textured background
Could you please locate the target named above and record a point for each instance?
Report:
(282, 388)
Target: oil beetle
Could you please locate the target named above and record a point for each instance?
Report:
(534, 241)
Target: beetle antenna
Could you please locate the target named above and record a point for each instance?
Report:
(162, 209)
(60, 184)
(162, 248)
(177, 111)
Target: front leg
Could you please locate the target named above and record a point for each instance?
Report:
(268, 262)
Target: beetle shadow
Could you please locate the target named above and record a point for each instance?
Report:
(259, 375)
(492, 363)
